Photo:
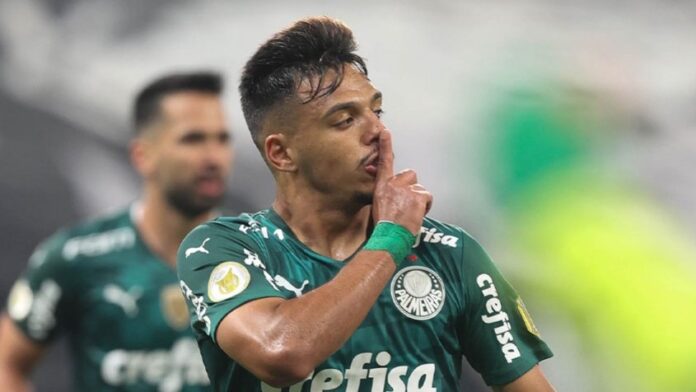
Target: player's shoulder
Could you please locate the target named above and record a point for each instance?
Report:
(450, 243)
(434, 232)
(454, 244)
(99, 236)
(249, 219)
(89, 238)
(99, 225)
(242, 224)
(245, 228)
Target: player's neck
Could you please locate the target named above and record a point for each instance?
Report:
(162, 227)
(329, 228)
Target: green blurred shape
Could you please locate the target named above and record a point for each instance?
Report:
(623, 269)
(606, 254)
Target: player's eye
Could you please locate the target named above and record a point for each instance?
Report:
(378, 112)
(345, 123)
(193, 138)
(224, 138)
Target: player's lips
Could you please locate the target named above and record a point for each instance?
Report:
(210, 185)
(370, 163)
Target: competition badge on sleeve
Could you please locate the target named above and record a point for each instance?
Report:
(528, 322)
(21, 298)
(173, 306)
(227, 280)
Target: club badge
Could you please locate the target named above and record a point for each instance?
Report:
(418, 292)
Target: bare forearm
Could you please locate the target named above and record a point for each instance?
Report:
(282, 341)
(18, 355)
(532, 381)
(318, 323)
(13, 380)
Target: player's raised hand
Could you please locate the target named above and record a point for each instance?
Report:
(398, 198)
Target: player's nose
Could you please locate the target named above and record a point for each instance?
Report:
(374, 127)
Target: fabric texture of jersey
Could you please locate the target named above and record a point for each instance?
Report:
(445, 301)
(120, 306)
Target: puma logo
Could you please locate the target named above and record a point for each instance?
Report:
(126, 300)
(284, 283)
(198, 249)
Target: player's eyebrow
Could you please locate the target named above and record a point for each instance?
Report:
(350, 104)
(198, 135)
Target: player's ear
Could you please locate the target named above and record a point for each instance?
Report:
(279, 154)
(140, 156)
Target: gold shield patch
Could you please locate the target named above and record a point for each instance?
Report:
(227, 280)
(527, 318)
(174, 306)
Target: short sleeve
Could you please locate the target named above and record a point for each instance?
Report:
(221, 268)
(497, 334)
(39, 301)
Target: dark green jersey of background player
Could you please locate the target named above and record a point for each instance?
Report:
(445, 301)
(119, 304)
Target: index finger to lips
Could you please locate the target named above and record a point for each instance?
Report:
(385, 168)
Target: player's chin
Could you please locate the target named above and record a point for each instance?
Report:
(206, 201)
(364, 197)
(209, 201)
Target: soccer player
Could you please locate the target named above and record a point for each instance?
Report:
(111, 284)
(343, 284)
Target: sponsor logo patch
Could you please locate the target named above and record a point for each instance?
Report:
(227, 280)
(199, 306)
(100, 243)
(432, 236)
(170, 369)
(42, 318)
(126, 300)
(368, 369)
(418, 292)
(497, 318)
(197, 249)
(21, 298)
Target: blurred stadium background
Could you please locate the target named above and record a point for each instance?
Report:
(560, 134)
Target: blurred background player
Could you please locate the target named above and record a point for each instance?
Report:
(110, 284)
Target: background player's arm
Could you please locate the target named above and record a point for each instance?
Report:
(282, 341)
(532, 381)
(18, 356)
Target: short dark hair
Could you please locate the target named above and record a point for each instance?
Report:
(147, 103)
(304, 51)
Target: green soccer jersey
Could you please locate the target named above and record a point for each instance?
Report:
(445, 301)
(120, 306)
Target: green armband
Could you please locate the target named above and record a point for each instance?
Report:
(392, 238)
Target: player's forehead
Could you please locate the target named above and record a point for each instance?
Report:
(354, 87)
(187, 110)
(190, 104)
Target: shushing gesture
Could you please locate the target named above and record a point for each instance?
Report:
(398, 198)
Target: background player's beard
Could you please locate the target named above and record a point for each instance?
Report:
(183, 198)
